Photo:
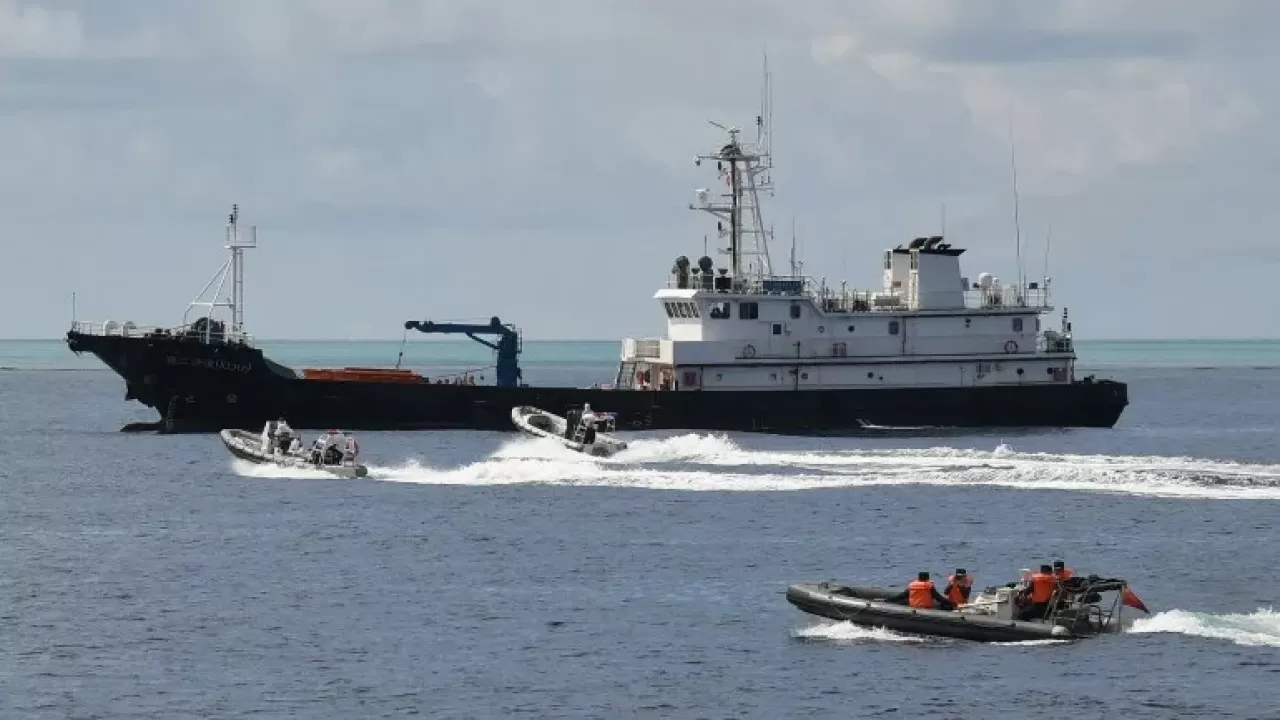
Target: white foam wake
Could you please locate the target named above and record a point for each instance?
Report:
(716, 463)
(1258, 628)
(245, 468)
(702, 462)
(847, 632)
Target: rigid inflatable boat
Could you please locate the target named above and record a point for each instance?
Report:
(249, 446)
(588, 435)
(1079, 610)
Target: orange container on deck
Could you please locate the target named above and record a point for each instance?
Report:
(357, 374)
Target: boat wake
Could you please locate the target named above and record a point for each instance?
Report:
(701, 462)
(244, 468)
(1258, 628)
(847, 633)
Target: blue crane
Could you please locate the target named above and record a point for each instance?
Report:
(507, 345)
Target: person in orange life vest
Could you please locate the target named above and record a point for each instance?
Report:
(922, 595)
(1061, 571)
(959, 586)
(1043, 585)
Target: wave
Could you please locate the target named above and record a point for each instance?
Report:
(1258, 628)
(710, 462)
(703, 462)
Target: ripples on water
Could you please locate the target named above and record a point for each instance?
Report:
(482, 574)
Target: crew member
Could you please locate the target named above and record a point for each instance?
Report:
(959, 585)
(572, 418)
(588, 424)
(332, 451)
(318, 448)
(922, 595)
(284, 435)
(1043, 585)
(1061, 571)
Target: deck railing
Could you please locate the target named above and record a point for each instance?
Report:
(847, 301)
(110, 328)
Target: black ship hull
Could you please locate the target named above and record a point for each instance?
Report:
(205, 387)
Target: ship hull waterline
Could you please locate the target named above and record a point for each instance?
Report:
(201, 388)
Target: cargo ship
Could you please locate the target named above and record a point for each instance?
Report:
(745, 348)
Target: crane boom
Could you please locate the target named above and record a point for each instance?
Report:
(507, 345)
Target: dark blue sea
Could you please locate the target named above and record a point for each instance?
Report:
(481, 575)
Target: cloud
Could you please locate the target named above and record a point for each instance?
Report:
(33, 31)
(530, 138)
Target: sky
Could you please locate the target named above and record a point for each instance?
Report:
(459, 159)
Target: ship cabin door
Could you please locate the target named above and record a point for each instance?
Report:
(688, 379)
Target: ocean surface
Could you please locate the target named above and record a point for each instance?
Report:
(484, 575)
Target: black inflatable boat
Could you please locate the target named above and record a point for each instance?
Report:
(1079, 611)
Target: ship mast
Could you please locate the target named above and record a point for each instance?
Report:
(236, 243)
(745, 169)
(238, 240)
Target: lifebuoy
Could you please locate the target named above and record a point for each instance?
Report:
(749, 351)
(1011, 347)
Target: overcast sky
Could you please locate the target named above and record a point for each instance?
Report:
(533, 159)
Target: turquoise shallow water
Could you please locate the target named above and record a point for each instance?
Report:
(550, 354)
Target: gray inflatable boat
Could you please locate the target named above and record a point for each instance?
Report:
(1079, 611)
(248, 446)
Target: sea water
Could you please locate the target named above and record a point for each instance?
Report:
(477, 574)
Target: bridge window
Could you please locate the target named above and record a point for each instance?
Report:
(888, 259)
(748, 311)
(681, 310)
(693, 309)
(670, 310)
(1017, 324)
(719, 311)
(893, 327)
(795, 311)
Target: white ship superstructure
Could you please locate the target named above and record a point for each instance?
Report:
(742, 327)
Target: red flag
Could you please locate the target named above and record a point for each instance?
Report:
(1130, 598)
